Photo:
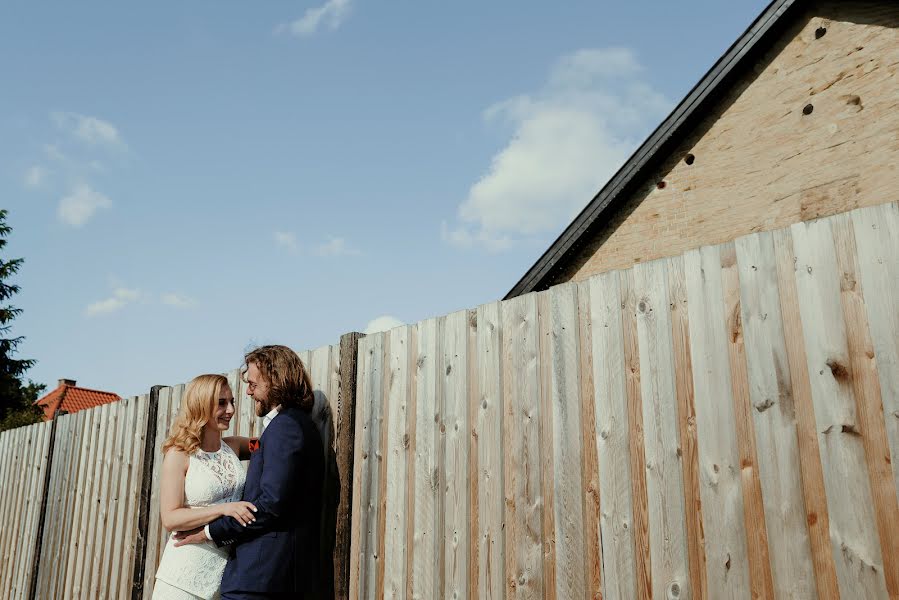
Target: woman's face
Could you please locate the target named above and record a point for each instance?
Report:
(224, 408)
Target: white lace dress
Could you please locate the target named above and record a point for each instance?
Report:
(195, 570)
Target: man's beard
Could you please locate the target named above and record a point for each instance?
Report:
(263, 407)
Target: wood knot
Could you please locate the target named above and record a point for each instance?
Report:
(847, 282)
(449, 369)
(838, 370)
(673, 590)
(406, 441)
(768, 403)
(849, 429)
(812, 519)
(808, 109)
(819, 32)
(642, 306)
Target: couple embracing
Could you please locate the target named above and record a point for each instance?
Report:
(240, 535)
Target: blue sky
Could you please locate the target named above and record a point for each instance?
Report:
(186, 180)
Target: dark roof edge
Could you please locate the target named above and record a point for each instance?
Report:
(648, 154)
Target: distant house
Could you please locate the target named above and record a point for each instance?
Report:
(69, 398)
(795, 122)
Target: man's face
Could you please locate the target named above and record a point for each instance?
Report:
(257, 389)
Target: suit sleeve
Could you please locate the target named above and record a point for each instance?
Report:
(283, 455)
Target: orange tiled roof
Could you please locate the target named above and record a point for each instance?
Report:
(70, 398)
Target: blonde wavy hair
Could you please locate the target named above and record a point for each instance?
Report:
(197, 405)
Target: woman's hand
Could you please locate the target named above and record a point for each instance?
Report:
(241, 511)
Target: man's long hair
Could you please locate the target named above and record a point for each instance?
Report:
(288, 379)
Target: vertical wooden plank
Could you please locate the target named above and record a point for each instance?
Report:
(84, 466)
(810, 466)
(21, 449)
(17, 556)
(567, 453)
(319, 370)
(774, 417)
(877, 240)
(591, 498)
(474, 404)
(456, 507)
(719, 460)
(20, 438)
(236, 426)
(365, 556)
(426, 551)
(86, 507)
(397, 455)
(89, 518)
(67, 504)
(853, 531)
(112, 533)
(489, 435)
(7, 452)
(616, 532)
(865, 386)
(525, 533)
(664, 472)
(50, 551)
(686, 412)
(105, 503)
(636, 452)
(411, 374)
(35, 467)
(133, 544)
(123, 482)
(10, 458)
(546, 428)
(345, 369)
(760, 579)
(157, 536)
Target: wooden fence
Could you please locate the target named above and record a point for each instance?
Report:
(719, 424)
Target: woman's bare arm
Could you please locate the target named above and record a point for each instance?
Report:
(175, 516)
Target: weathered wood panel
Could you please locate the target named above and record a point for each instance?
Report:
(853, 532)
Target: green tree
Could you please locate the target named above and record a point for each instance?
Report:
(16, 397)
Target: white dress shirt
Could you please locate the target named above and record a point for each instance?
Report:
(266, 420)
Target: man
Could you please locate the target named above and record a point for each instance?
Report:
(277, 555)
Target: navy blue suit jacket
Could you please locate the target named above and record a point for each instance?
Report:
(279, 553)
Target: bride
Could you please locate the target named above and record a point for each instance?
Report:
(202, 479)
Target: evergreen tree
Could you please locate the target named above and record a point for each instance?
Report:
(16, 398)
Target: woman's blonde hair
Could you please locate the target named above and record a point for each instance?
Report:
(197, 407)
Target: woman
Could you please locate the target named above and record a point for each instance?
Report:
(202, 479)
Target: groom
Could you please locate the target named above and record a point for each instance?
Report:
(277, 555)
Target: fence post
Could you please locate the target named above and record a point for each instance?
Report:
(345, 446)
(42, 516)
(143, 519)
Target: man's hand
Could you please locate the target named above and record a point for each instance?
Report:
(191, 536)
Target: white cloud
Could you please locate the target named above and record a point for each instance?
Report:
(286, 239)
(568, 139)
(383, 323)
(178, 301)
(331, 14)
(120, 298)
(90, 130)
(335, 246)
(79, 206)
(35, 176)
